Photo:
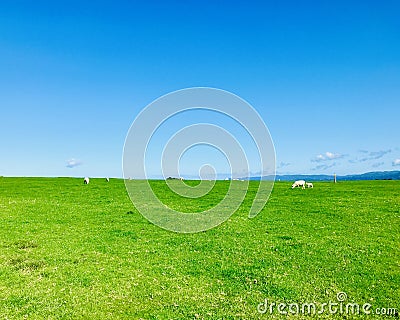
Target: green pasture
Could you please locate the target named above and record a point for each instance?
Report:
(75, 251)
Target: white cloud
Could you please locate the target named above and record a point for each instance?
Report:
(331, 155)
(72, 163)
(396, 162)
(327, 156)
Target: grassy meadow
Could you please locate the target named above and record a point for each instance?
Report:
(71, 251)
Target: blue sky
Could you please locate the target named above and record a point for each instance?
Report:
(324, 76)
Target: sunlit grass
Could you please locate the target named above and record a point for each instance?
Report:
(69, 250)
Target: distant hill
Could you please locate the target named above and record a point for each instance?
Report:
(376, 175)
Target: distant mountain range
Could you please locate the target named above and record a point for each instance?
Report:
(376, 175)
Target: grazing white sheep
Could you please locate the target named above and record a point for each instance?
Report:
(108, 179)
(299, 183)
(86, 180)
(309, 185)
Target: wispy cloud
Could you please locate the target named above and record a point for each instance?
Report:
(283, 165)
(371, 155)
(323, 167)
(377, 164)
(281, 168)
(72, 163)
(327, 156)
(374, 155)
(396, 162)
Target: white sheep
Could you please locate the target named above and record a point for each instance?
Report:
(86, 180)
(309, 185)
(299, 183)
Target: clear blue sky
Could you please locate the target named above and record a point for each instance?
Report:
(324, 76)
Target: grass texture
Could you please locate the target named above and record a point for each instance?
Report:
(74, 251)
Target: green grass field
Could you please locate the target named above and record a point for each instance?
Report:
(69, 251)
